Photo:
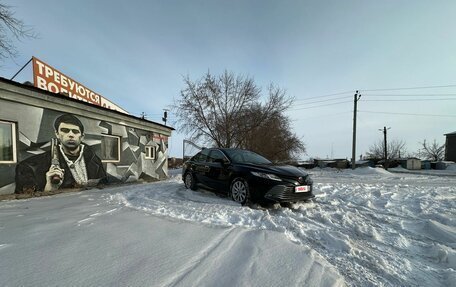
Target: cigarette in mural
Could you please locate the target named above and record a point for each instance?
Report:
(56, 179)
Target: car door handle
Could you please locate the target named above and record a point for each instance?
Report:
(206, 168)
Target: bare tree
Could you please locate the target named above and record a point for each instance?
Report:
(395, 149)
(226, 111)
(11, 28)
(273, 137)
(432, 151)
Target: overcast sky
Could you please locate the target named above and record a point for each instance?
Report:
(135, 53)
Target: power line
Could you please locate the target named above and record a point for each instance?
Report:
(408, 114)
(322, 116)
(321, 106)
(328, 95)
(382, 89)
(409, 88)
(409, 100)
(409, 95)
(299, 104)
(373, 100)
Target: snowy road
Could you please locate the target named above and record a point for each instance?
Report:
(376, 228)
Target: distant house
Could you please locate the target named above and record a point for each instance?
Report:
(442, 165)
(425, 164)
(342, 163)
(413, 163)
(450, 147)
(392, 162)
(364, 163)
(322, 163)
(334, 163)
(306, 164)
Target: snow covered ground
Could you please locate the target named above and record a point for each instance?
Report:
(367, 227)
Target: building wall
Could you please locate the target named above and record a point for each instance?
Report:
(450, 147)
(34, 130)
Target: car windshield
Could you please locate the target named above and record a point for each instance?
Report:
(245, 156)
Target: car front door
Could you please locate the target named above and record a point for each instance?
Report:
(217, 174)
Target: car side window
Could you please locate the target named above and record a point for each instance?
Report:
(215, 154)
(202, 156)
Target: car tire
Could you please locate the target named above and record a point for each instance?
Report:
(189, 181)
(239, 191)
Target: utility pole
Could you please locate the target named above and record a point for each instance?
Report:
(386, 145)
(356, 98)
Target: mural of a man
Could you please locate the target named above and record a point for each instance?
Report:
(77, 165)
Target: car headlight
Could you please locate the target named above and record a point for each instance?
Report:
(266, 175)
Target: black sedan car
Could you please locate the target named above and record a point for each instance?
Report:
(246, 176)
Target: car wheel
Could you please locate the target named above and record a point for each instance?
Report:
(189, 181)
(239, 191)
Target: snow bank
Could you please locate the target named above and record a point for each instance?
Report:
(451, 167)
(376, 228)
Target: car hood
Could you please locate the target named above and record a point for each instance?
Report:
(285, 170)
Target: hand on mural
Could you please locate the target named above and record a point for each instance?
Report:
(54, 178)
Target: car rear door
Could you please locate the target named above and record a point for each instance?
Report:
(200, 167)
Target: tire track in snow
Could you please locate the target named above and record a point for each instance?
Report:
(196, 260)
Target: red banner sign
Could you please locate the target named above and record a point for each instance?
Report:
(47, 78)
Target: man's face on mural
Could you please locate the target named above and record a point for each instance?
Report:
(70, 136)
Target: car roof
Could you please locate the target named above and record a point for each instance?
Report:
(226, 149)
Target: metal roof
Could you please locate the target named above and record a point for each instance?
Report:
(29, 87)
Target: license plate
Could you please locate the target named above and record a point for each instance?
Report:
(302, 188)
